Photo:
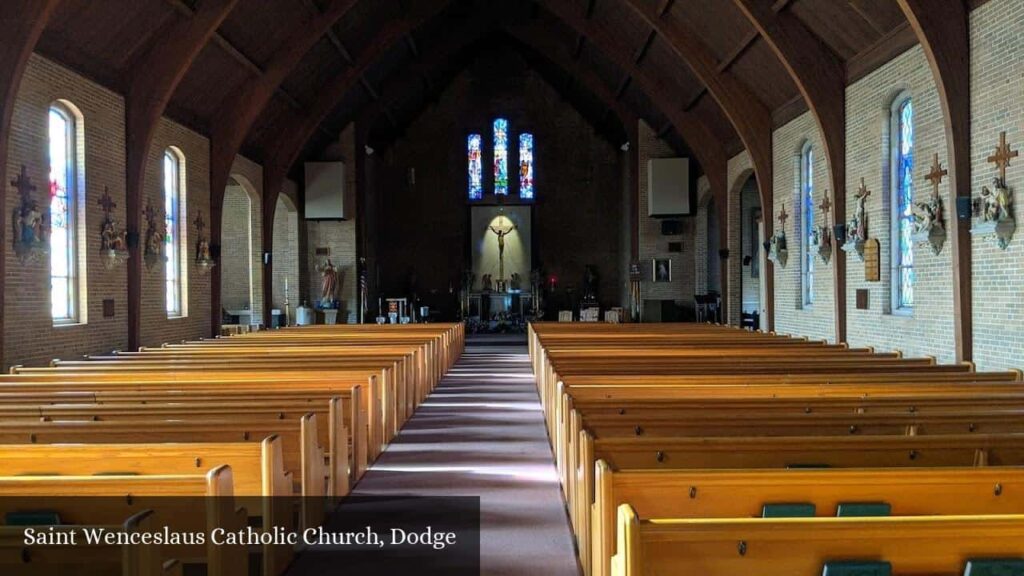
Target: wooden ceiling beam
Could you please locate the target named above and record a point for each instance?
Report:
(821, 79)
(944, 32)
(747, 113)
(641, 52)
(152, 82)
(239, 111)
(20, 36)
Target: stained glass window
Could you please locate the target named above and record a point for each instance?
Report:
(807, 223)
(526, 165)
(63, 225)
(500, 156)
(172, 239)
(476, 167)
(903, 197)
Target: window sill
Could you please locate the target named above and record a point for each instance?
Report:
(902, 313)
(68, 323)
(177, 316)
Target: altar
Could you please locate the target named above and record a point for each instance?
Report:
(485, 305)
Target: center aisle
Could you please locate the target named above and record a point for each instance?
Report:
(481, 433)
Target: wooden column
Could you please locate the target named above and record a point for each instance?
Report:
(821, 79)
(273, 181)
(18, 37)
(944, 32)
(154, 78)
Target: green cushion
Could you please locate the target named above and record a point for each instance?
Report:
(863, 509)
(32, 518)
(994, 567)
(793, 510)
(806, 466)
(857, 568)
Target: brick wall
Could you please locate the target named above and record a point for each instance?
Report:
(338, 236)
(286, 256)
(750, 285)
(738, 171)
(997, 82)
(157, 328)
(237, 285)
(653, 244)
(791, 315)
(30, 336)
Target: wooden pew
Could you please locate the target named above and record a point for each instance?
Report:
(100, 559)
(261, 484)
(770, 547)
(301, 449)
(363, 419)
(744, 493)
(186, 503)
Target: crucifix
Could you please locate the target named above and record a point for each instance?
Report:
(825, 205)
(782, 217)
(1002, 157)
(935, 176)
(23, 184)
(199, 223)
(501, 233)
(106, 201)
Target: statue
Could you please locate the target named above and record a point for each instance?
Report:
(995, 206)
(515, 281)
(31, 225)
(328, 284)
(485, 283)
(857, 227)
(156, 236)
(928, 215)
(111, 239)
(501, 233)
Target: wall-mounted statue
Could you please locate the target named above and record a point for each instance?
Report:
(776, 245)
(113, 238)
(857, 227)
(156, 236)
(994, 207)
(31, 224)
(821, 236)
(204, 258)
(929, 220)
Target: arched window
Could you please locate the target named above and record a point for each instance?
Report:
(902, 197)
(66, 294)
(526, 166)
(807, 224)
(500, 157)
(174, 202)
(476, 167)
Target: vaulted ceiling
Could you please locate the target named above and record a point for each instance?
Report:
(384, 61)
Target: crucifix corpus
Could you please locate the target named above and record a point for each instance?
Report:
(501, 232)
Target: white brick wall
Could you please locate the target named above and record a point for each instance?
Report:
(997, 85)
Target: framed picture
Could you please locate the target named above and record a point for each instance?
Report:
(661, 270)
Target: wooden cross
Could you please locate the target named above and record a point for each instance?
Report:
(150, 213)
(200, 224)
(825, 205)
(23, 184)
(863, 189)
(106, 201)
(1002, 157)
(783, 216)
(935, 176)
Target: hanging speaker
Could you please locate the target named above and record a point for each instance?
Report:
(964, 207)
(723, 254)
(839, 233)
